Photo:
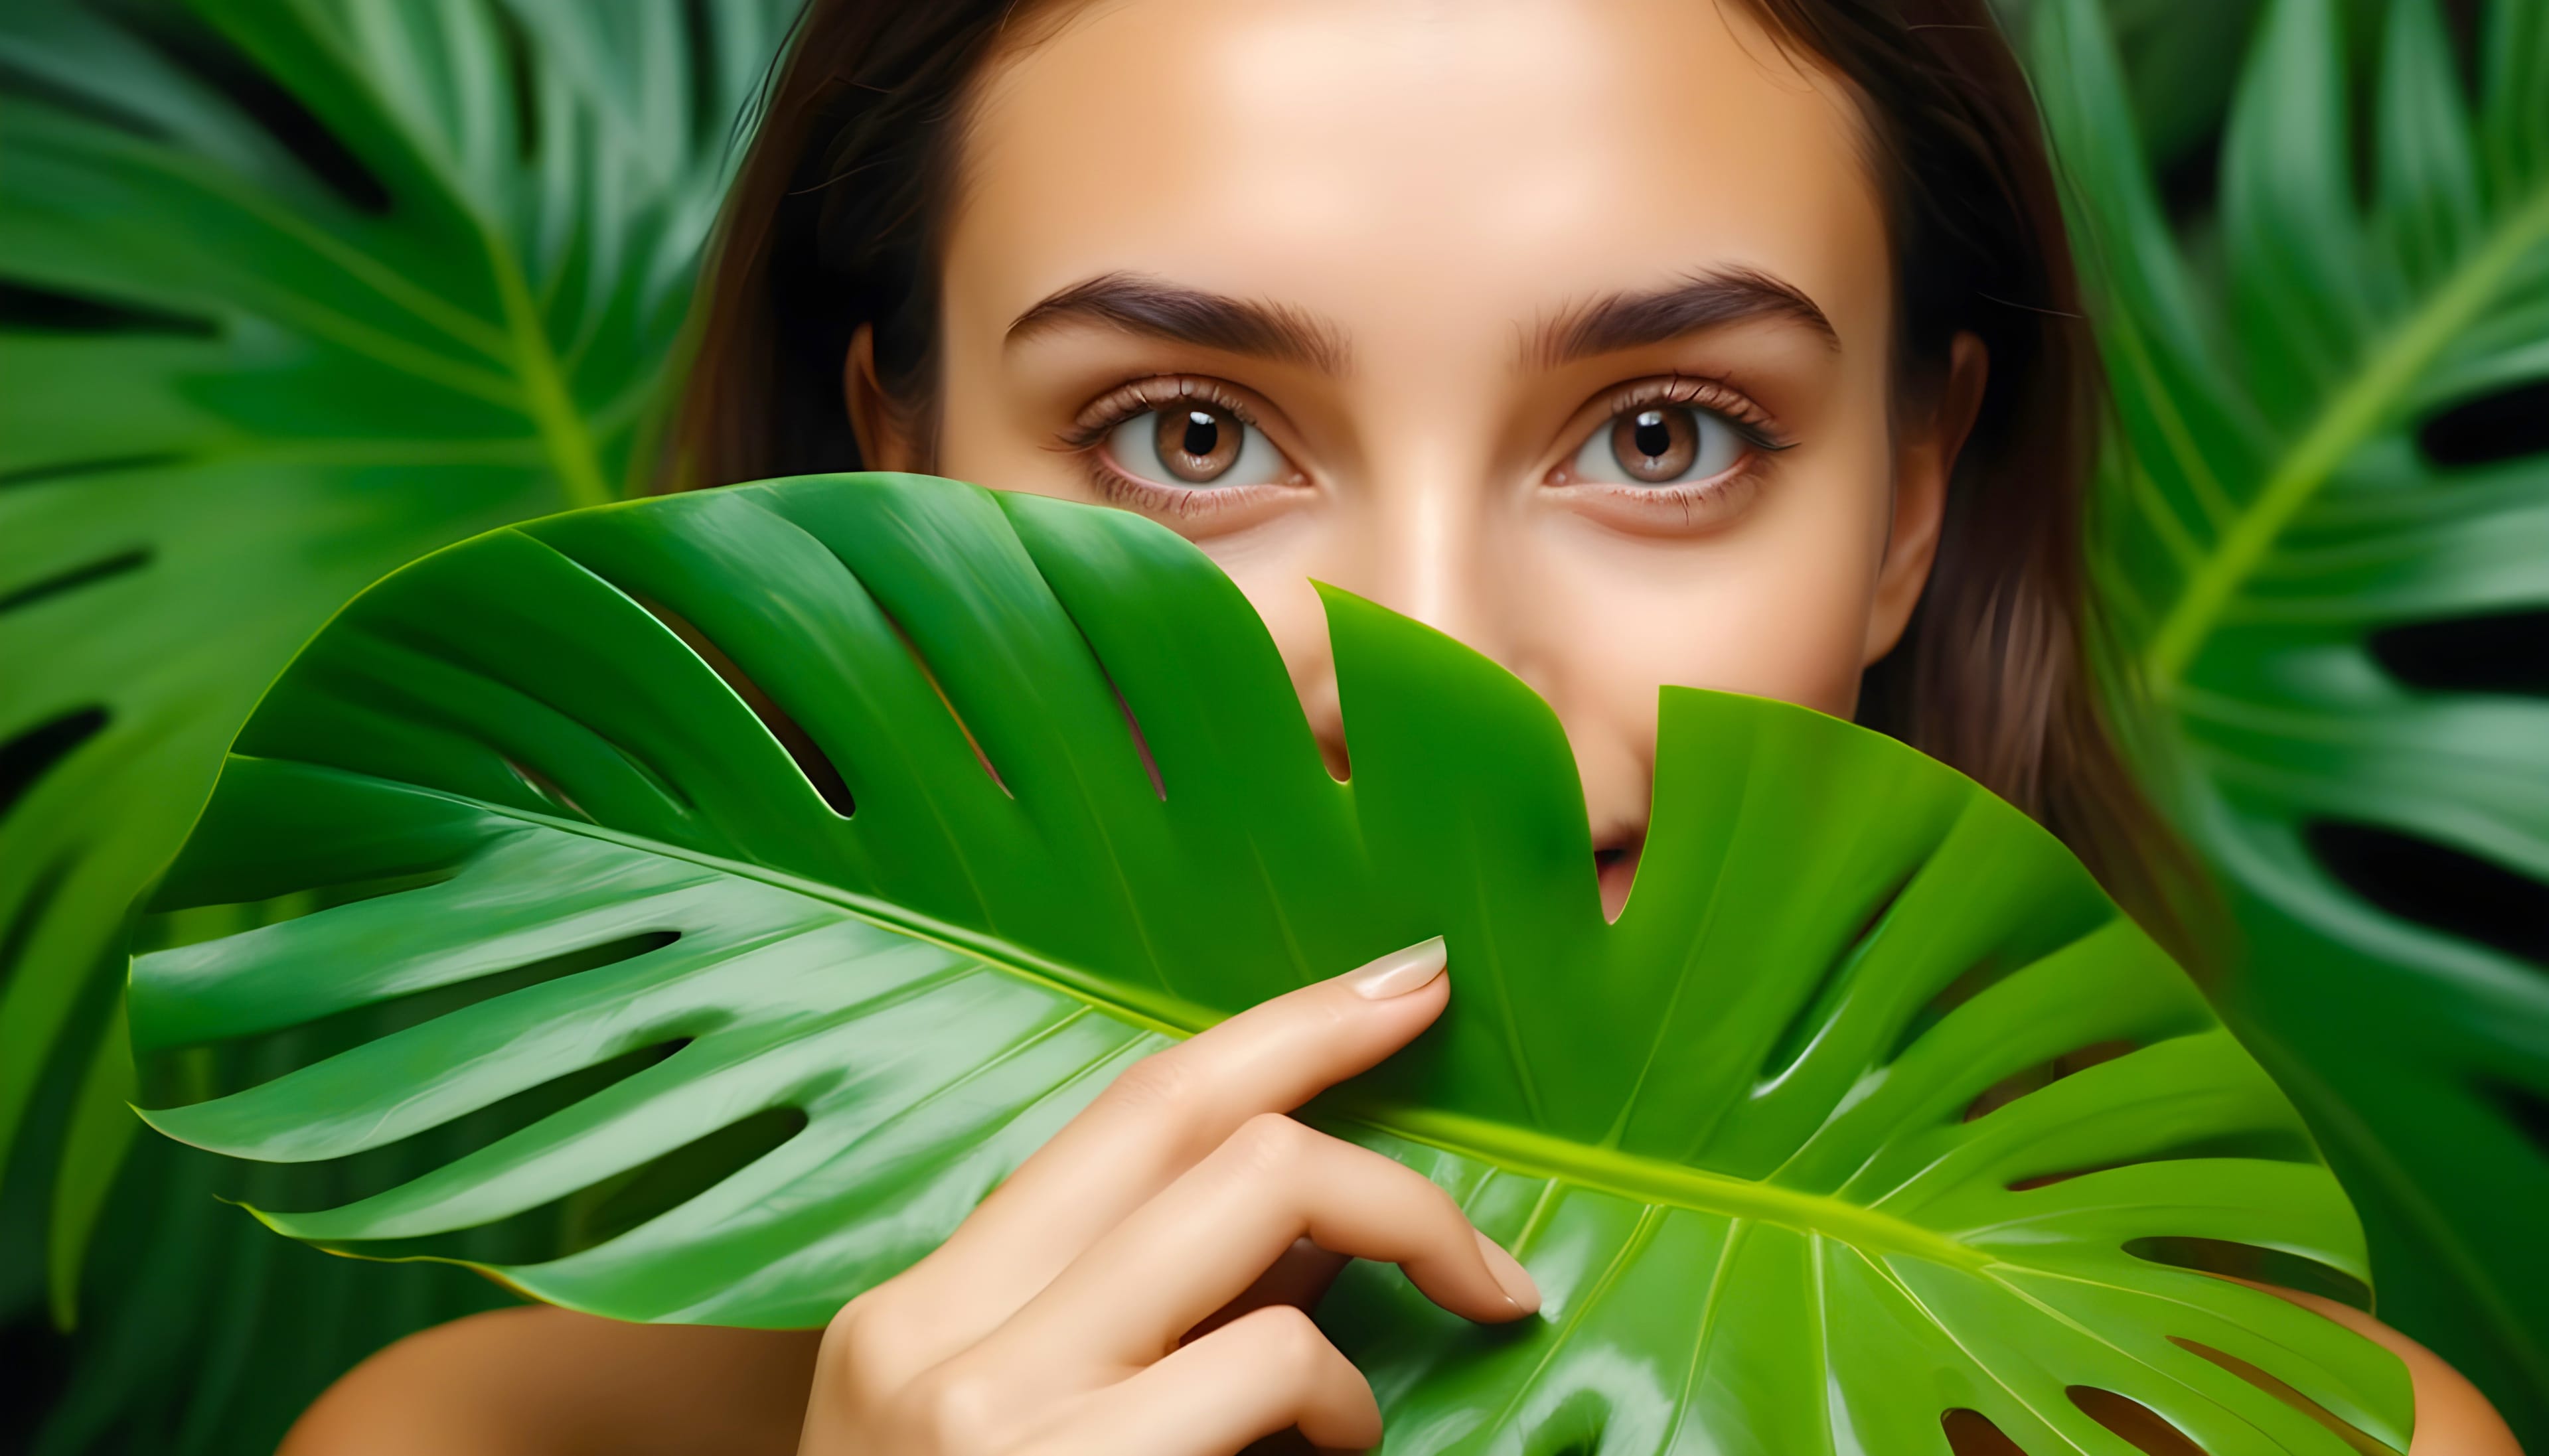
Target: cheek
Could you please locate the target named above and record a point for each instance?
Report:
(1781, 611)
(1789, 641)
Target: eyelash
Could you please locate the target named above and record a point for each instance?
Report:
(1088, 433)
(1715, 396)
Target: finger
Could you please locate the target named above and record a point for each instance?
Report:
(1204, 1240)
(1164, 1113)
(1299, 1277)
(1256, 1376)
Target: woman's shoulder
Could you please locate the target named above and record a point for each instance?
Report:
(537, 1380)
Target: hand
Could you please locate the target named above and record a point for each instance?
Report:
(1139, 1286)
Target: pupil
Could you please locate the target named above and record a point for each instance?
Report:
(1650, 436)
(1203, 435)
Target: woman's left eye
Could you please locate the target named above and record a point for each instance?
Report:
(1658, 445)
(1192, 445)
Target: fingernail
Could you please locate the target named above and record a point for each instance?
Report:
(1398, 972)
(1511, 1276)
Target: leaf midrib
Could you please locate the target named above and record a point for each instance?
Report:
(2344, 422)
(1625, 1175)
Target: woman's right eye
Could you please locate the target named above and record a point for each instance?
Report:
(1192, 445)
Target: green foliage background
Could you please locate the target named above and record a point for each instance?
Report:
(296, 290)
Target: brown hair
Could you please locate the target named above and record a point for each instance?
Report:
(834, 220)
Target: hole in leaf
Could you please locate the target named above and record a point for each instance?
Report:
(2503, 653)
(1817, 1010)
(1975, 980)
(2271, 1145)
(2044, 1075)
(821, 773)
(2255, 1263)
(37, 475)
(1971, 1433)
(2503, 425)
(169, 925)
(180, 1077)
(210, 57)
(2136, 1423)
(614, 1206)
(700, 52)
(76, 576)
(28, 757)
(44, 310)
(19, 83)
(338, 1181)
(1132, 724)
(2353, 1437)
(520, 72)
(913, 650)
(605, 1209)
(547, 789)
(2435, 885)
(40, 892)
(1141, 745)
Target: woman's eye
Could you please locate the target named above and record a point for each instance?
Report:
(1658, 445)
(1194, 445)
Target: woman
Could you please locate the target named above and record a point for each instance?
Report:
(1730, 343)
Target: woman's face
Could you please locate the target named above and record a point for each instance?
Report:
(1561, 326)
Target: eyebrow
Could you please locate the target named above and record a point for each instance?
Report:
(1628, 321)
(1192, 316)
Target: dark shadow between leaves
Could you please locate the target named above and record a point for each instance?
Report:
(2437, 886)
(196, 47)
(2502, 652)
(2505, 425)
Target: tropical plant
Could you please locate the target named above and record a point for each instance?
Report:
(2328, 549)
(715, 895)
(289, 293)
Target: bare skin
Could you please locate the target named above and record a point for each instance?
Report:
(1560, 324)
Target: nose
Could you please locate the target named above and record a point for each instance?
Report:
(1428, 544)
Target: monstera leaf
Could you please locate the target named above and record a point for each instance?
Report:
(2330, 556)
(291, 293)
(716, 895)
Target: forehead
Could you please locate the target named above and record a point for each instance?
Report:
(1380, 161)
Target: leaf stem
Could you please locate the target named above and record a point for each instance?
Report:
(1651, 1181)
(546, 398)
(2344, 424)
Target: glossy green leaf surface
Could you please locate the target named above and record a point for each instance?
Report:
(611, 998)
(2328, 548)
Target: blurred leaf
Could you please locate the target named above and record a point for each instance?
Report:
(1868, 1106)
(2328, 542)
(290, 293)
